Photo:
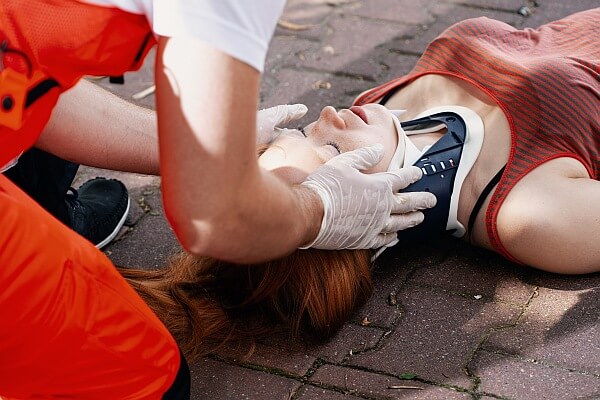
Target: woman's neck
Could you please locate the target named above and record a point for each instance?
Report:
(426, 139)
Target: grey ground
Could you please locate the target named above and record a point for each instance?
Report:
(446, 321)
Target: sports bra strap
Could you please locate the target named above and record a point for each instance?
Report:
(484, 194)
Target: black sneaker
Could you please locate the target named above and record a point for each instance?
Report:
(98, 209)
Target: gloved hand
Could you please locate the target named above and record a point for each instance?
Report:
(364, 211)
(270, 118)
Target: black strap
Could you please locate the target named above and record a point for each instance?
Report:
(388, 95)
(39, 90)
(484, 194)
(118, 80)
(140, 52)
(439, 165)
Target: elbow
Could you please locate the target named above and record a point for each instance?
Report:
(200, 235)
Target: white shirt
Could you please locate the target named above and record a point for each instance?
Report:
(240, 28)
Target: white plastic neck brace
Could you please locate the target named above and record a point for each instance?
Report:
(407, 154)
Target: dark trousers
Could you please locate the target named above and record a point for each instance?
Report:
(46, 179)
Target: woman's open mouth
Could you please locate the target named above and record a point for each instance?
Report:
(360, 112)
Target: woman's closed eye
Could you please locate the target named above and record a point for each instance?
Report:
(329, 143)
(335, 146)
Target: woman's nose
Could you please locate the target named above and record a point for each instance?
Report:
(330, 115)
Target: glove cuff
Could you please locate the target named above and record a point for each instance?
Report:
(322, 193)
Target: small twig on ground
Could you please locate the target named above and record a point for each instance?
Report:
(405, 387)
(144, 93)
(292, 26)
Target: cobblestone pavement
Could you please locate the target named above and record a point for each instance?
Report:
(446, 321)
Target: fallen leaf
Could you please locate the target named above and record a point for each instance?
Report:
(292, 26)
(321, 85)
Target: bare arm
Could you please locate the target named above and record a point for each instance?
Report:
(551, 220)
(219, 201)
(92, 126)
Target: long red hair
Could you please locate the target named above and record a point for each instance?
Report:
(205, 303)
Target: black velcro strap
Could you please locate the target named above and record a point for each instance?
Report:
(484, 194)
(39, 90)
(439, 165)
(140, 52)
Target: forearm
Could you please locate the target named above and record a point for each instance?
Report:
(220, 203)
(91, 126)
(242, 214)
(257, 222)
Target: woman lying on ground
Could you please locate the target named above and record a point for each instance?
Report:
(523, 109)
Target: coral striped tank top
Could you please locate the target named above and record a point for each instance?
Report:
(546, 80)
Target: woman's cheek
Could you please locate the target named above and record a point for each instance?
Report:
(326, 153)
(291, 175)
(298, 165)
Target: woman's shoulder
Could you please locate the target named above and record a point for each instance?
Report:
(479, 27)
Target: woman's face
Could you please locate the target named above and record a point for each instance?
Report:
(294, 155)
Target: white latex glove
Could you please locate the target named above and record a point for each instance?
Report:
(364, 211)
(270, 118)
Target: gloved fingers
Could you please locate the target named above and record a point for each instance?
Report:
(279, 131)
(403, 177)
(263, 136)
(361, 159)
(399, 222)
(412, 201)
(284, 113)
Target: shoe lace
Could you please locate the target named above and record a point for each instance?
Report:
(72, 192)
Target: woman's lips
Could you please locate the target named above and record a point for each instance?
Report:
(360, 112)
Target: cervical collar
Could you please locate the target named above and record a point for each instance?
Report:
(445, 165)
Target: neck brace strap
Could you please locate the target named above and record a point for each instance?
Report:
(445, 165)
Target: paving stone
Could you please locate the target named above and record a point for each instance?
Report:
(393, 268)
(517, 379)
(567, 283)
(403, 11)
(307, 12)
(505, 5)
(315, 89)
(557, 10)
(349, 341)
(280, 354)
(560, 327)
(369, 384)
(217, 380)
(285, 50)
(159, 242)
(436, 336)
(309, 392)
(338, 50)
(477, 273)
(393, 64)
(446, 14)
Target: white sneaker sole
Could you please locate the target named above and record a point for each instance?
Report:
(114, 233)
